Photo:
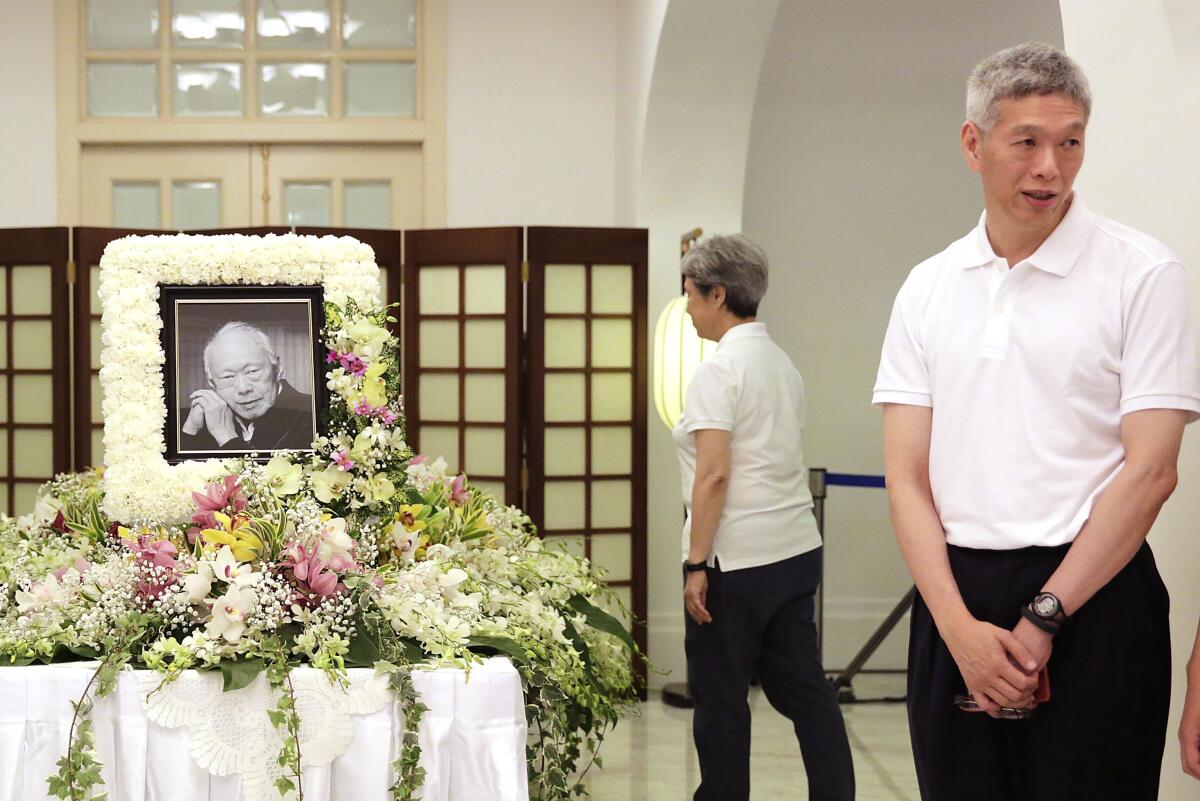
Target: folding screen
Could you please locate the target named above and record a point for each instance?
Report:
(462, 344)
(587, 369)
(35, 377)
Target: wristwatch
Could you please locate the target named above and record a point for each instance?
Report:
(695, 567)
(1046, 612)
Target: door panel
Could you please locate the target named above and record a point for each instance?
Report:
(190, 186)
(352, 186)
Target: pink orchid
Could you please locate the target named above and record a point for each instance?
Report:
(331, 357)
(217, 497)
(310, 570)
(351, 363)
(420, 458)
(387, 415)
(81, 566)
(343, 460)
(160, 552)
(362, 408)
(458, 490)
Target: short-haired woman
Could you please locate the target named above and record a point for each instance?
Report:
(751, 548)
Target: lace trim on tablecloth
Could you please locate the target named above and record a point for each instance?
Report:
(231, 734)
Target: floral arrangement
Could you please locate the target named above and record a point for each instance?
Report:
(358, 553)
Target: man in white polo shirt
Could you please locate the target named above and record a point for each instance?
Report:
(1036, 378)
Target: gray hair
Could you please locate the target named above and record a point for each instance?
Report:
(1033, 68)
(735, 263)
(260, 338)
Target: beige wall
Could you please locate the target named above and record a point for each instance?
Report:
(853, 176)
(1142, 168)
(27, 135)
(692, 172)
(531, 112)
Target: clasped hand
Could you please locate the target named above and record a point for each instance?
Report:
(1000, 667)
(209, 411)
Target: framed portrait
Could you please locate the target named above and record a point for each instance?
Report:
(243, 371)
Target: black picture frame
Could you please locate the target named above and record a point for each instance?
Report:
(186, 309)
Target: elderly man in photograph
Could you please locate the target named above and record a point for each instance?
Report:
(248, 405)
(1036, 379)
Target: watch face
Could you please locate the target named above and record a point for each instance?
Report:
(1045, 606)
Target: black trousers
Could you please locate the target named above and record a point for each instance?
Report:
(763, 623)
(1101, 735)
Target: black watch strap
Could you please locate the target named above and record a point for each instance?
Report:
(1042, 623)
(694, 567)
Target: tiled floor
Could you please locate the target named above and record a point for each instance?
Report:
(651, 757)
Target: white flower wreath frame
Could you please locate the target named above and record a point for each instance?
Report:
(140, 485)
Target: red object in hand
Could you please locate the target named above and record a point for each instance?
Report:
(1042, 693)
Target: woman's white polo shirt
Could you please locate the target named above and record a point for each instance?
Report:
(750, 387)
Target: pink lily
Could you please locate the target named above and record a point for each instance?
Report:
(420, 458)
(387, 415)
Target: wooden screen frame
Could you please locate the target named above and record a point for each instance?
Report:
(465, 247)
(592, 246)
(48, 246)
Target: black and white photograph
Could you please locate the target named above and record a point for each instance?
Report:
(242, 369)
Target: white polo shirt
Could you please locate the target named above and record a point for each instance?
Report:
(749, 387)
(1029, 370)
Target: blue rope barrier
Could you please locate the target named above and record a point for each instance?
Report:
(854, 480)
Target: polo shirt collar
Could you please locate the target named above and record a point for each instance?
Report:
(743, 331)
(1056, 255)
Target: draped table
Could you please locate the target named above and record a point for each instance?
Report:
(191, 742)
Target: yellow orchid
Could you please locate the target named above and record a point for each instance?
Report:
(374, 390)
(235, 533)
(411, 517)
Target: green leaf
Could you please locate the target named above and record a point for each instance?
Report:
(503, 645)
(600, 620)
(365, 648)
(240, 674)
(413, 652)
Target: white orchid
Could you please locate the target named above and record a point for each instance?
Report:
(330, 483)
(46, 591)
(283, 477)
(229, 614)
(197, 586)
(334, 542)
(47, 508)
(227, 568)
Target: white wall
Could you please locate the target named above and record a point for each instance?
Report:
(531, 112)
(639, 26)
(27, 137)
(1143, 169)
(692, 173)
(853, 176)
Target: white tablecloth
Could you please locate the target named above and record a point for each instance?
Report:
(472, 741)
